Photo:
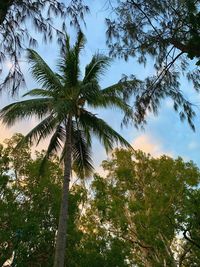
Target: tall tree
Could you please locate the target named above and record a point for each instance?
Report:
(62, 106)
(16, 34)
(23, 219)
(29, 210)
(146, 204)
(29, 207)
(169, 32)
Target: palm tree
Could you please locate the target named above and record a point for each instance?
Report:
(62, 107)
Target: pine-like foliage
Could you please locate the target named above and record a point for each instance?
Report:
(16, 17)
(169, 32)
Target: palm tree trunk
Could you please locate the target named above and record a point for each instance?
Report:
(62, 227)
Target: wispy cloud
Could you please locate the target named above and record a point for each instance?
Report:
(148, 144)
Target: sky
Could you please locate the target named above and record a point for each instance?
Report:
(163, 134)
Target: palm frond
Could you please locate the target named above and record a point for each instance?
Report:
(40, 131)
(111, 101)
(90, 91)
(124, 88)
(54, 146)
(56, 141)
(121, 105)
(80, 43)
(115, 89)
(69, 63)
(106, 134)
(39, 107)
(96, 68)
(42, 73)
(69, 69)
(81, 154)
(39, 92)
(67, 47)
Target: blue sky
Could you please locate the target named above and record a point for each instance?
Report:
(164, 134)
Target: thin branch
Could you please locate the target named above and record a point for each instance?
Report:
(190, 240)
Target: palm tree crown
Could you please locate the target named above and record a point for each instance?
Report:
(64, 95)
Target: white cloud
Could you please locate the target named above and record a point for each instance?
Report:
(148, 144)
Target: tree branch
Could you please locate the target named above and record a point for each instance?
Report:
(190, 240)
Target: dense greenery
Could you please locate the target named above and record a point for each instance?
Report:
(143, 208)
(138, 214)
(168, 32)
(30, 206)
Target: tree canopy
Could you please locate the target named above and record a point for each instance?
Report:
(169, 32)
(30, 206)
(143, 204)
(144, 213)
